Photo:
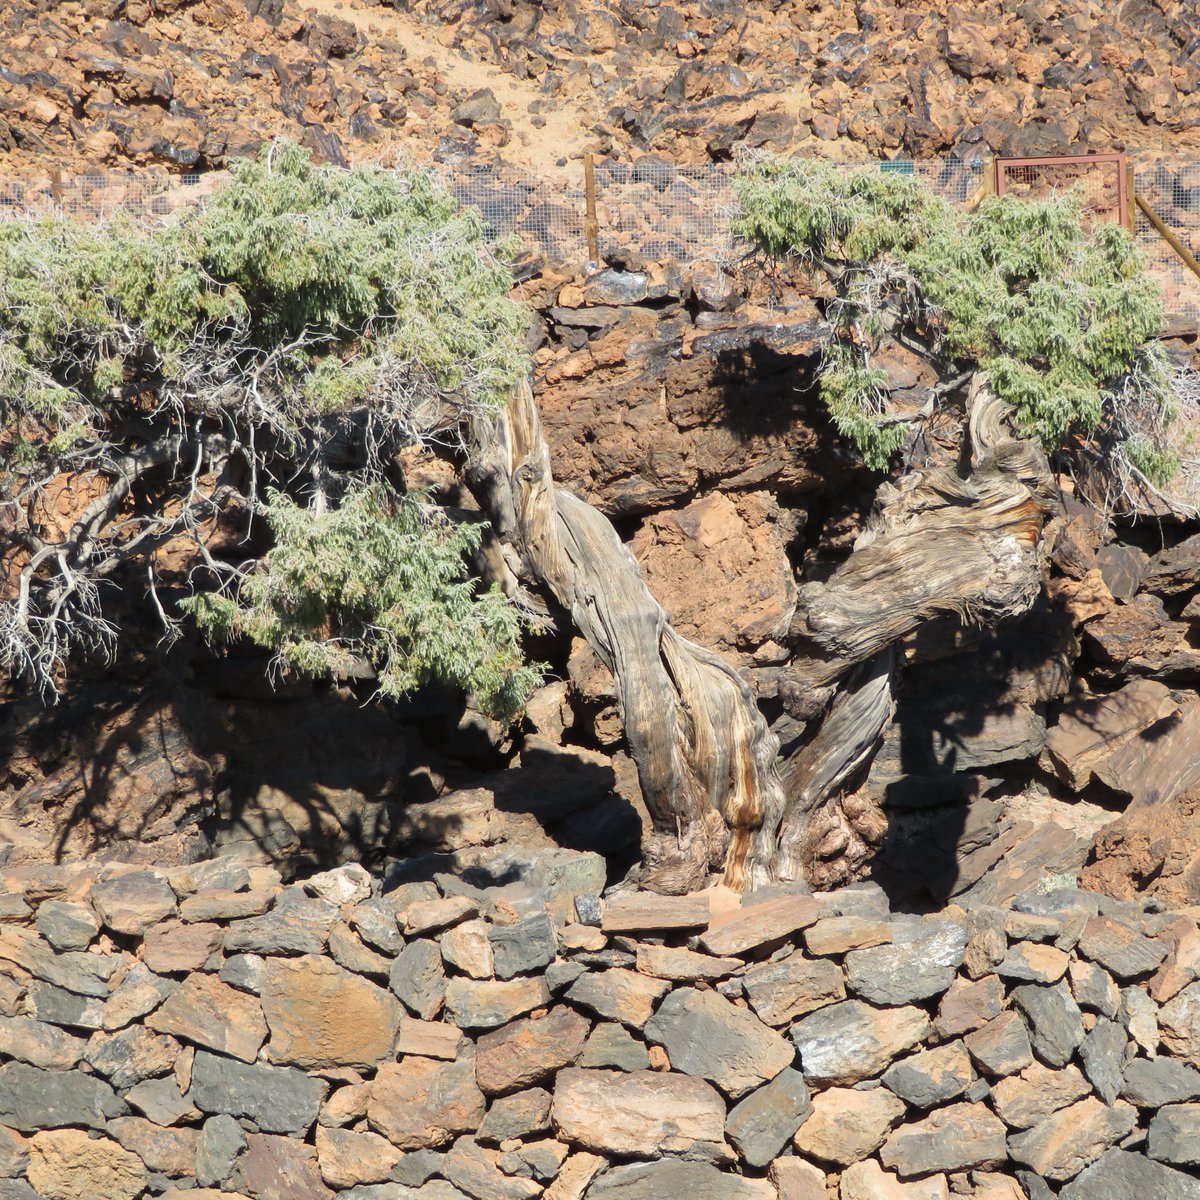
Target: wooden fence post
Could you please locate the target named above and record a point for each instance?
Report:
(591, 225)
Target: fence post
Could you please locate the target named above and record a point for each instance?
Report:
(591, 226)
(1184, 253)
(56, 185)
(1130, 193)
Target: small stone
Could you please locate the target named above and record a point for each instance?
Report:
(14, 1153)
(1034, 963)
(375, 922)
(705, 1035)
(968, 1005)
(850, 1041)
(931, 1077)
(296, 925)
(1179, 1023)
(639, 1113)
(761, 1125)
(429, 1039)
(618, 995)
(221, 904)
(176, 946)
(468, 949)
(1022, 927)
(425, 917)
(1175, 1135)
(321, 1015)
(168, 1151)
(847, 1124)
(584, 937)
(133, 1054)
(418, 1167)
(162, 1101)
(39, 1044)
(839, 935)
(528, 1051)
(760, 924)
(33, 1099)
(220, 1142)
(348, 950)
(132, 903)
(955, 1138)
(1124, 952)
(347, 1159)
(210, 1013)
(140, 992)
(472, 1171)
(1119, 1175)
(279, 1168)
(560, 975)
(919, 962)
(1094, 989)
(520, 1115)
(1102, 1053)
(486, 1003)
(1002, 1046)
(1055, 1021)
(346, 1106)
(682, 966)
(1024, 1100)
(244, 972)
(1139, 1015)
(795, 1179)
(868, 1181)
(347, 884)
(575, 1175)
(987, 944)
(525, 946)
(422, 1103)
(1059, 1147)
(646, 912)
(779, 992)
(67, 926)
(418, 979)
(276, 1099)
(611, 1045)
(1154, 1082)
(66, 1164)
(224, 872)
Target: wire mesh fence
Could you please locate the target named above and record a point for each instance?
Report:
(651, 209)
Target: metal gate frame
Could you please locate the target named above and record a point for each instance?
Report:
(1125, 204)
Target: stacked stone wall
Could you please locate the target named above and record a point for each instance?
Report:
(205, 1031)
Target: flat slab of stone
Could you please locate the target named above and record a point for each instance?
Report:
(276, 1099)
(838, 935)
(179, 946)
(39, 1044)
(133, 902)
(1055, 1022)
(646, 912)
(429, 1039)
(707, 1036)
(1175, 1135)
(1124, 952)
(869, 1181)
(641, 1114)
(65, 1164)
(956, 1138)
(847, 1124)
(1121, 1175)
(33, 1099)
(321, 1015)
(683, 966)
(421, 1103)
(1153, 1082)
(780, 992)
(695, 1181)
(529, 1051)
(931, 1077)
(212, 1014)
(1059, 1147)
(920, 961)
(850, 1041)
(618, 995)
(760, 924)
(1024, 1100)
(969, 1004)
(1002, 1046)
(487, 1003)
(297, 924)
(761, 1125)
(612, 1045)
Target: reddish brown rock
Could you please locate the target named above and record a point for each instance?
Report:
(209, 1013)
(618, 995)
(1024, 1100)
(169, 1151)
(1001, 1047)
(868, 1181)
(641, 1114)
(682, 966)
(967, 1005)
(472, 1170)
(347, 1159)
(646, 912)
(65, 1164)
(839, 935)
(769, 921)
(527, 1052)
(467, 948)
(420, 1103)
(1059, 1147)
(428, 1039)
(847, 1125)
(320, 1015)
(172, 946)
(779, 992)
(955, 1138)
(487, 1003)
(279, 1168)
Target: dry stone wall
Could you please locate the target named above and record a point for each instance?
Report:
(205, 1031)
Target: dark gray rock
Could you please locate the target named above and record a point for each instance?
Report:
(418, 1167)
(919, 962)
(611, 1045)
(588, 910)
(851, 1041)
(161, 1101)
(84, 974)
(1124, 951)
(1175, 1135)
(671, 1178)
(762, 1124)
(478, 107)
(1153, 1082)
(226, 873)
(1036, 1188)
(617, 287)
(521, 1115)
(276, 1099)
(374, 921)
(1055, 1022)
(33, 1099)
(60, 1007)
(220, 1142)
(132, 903)
(131, 1055)
(560, 975)
(244, 972)
(525, 946)
(955, 1138)
(931, 1077)
(67, 926)
(1121, 1175)
(18, 1189)
(298, 924)
(707, 1036)
(1103, 1056)
(418, 978)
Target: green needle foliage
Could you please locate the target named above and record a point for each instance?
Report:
(1059, 318)
(284, 339)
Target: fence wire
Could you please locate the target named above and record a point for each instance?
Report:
(651, 210)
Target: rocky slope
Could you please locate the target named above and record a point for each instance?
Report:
(188, 83)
